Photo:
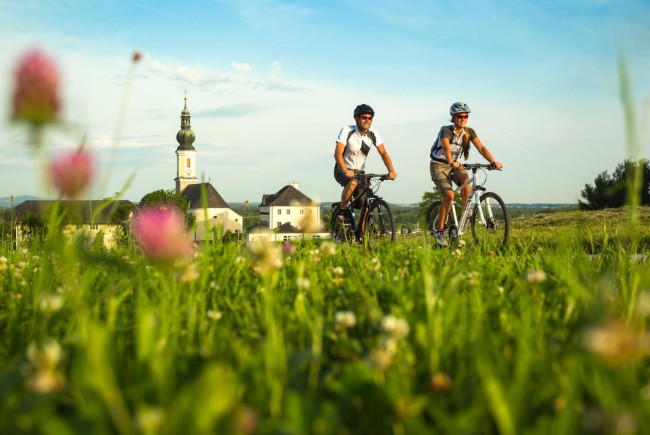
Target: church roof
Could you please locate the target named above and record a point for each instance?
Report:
(287, 196)
(193, 194)
(86, 210)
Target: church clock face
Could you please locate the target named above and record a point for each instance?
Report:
(188, 173)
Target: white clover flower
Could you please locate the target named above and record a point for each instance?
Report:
(536, 276)
(345, 319)
(303, 283)
(461, 243)
(50, 303)
(191, 273)
(3, 263)
(338, 270)
(214, 315)
(395, 327)
(328, 248)
(458, 253)
(44, 360)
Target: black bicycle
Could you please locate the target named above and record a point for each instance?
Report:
(376, 223)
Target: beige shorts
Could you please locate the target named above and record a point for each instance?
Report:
(443, 174)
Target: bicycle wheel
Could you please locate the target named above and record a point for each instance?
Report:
(432, 221)
(490, 222)
(379, 224)
(342, 229)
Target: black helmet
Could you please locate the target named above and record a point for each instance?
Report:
(363, 108)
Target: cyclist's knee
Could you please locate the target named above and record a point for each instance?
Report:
(448, 195)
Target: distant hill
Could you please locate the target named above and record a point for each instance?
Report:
(6, 201)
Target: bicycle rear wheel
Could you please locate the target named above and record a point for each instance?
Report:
(379, 224)
(490, 222)
(342, 229)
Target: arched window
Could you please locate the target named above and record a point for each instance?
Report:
(188, 163)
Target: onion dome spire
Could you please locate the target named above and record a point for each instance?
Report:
(185, 135)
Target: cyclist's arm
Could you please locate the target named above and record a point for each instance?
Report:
(485, 152)
(338, 156)
(387, 161)
(446, 148)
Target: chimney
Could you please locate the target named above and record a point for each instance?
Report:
(295, 185)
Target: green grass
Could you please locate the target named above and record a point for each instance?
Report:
(547, 337)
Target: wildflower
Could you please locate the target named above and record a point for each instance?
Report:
(190, 274)
(458, 253)
(287, 248)
(536, 276)
(309, 224)
(314, 256)
(247, 420)
(395, 327)
(71, 172)
(36, 97)
(267, 255)
(642, 303)
(3, 263)
(440, 383)
(44, 360)
(214, 315)
(148, 419)
(50, 303)
(328, 248)
(376, 264)
(617, 342)
(338, 270)
(345, 319)
(161, 234)
(461, 243)
(303, 283)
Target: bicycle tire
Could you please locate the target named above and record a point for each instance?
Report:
(491, 231)
(342, 231)
(379, 225)
(432, 221)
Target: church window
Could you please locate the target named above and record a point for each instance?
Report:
(279, 211)
(288, 211)
(187, 163)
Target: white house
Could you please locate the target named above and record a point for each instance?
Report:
(288, 214)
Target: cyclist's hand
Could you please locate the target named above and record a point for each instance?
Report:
(392, 175)
(457, 164)
(497, 165)
(349, 173)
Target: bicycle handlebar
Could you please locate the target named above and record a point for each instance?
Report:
(382, 177)
(474, 166)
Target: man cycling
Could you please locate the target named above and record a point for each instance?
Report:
(352, 147)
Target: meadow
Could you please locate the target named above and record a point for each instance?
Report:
(549, 336)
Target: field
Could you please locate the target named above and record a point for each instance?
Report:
(549, 336)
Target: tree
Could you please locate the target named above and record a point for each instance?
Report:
(428, 198)
(611, 191)
(169, 198)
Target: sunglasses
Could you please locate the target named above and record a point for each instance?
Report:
(462, 116)
(365, 117)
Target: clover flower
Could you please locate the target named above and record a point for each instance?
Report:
(395, 327)
(617, 342)
(45, 376)
(267, 255)
(161, 234)
(303, 283)
(50, 303)
(328, 248)
(36, 98)
(3, 263)
(536, 276)
(71, 173)
(345, 319)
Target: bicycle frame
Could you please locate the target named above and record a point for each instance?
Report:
(472, 199)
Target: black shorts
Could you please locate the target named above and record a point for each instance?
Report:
(343, 180)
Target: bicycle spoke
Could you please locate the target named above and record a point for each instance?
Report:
(490, 223)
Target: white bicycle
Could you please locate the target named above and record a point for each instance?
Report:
(485, 212)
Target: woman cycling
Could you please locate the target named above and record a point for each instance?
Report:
(452, 141)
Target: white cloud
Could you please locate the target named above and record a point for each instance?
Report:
(242, 67)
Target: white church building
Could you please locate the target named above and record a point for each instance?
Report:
(206, 204)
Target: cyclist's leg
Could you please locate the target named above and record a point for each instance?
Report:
(348, 183)
(461, 177)
(441, 176)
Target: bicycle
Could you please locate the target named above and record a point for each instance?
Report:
(486, 213)
(376, 221)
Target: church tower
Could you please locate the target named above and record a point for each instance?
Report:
(185, 153)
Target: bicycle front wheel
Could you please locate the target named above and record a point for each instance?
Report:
(490, 222)
(379, 224)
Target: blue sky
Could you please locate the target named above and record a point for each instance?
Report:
(270, 83)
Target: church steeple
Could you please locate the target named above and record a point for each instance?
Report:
(185, 135)
(185, 153)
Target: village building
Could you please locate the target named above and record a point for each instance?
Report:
(92, 218)
(288, 214)
(213, 214)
